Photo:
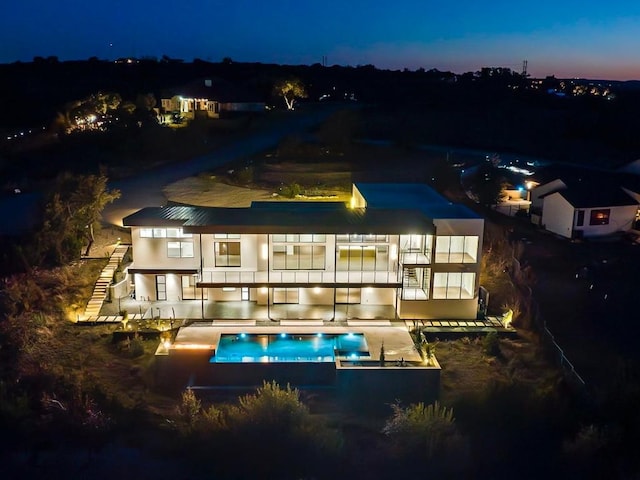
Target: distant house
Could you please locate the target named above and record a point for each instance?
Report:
(584, 209)
(207, 98)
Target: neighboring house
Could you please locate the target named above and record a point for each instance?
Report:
(207, 98)
(398, 245)
(514, 201)
(584, 210)
(537, 198)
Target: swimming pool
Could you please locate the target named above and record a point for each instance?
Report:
(289, 347)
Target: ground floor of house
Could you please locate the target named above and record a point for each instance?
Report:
(324, 301)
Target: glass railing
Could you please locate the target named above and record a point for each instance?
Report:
(297, 276)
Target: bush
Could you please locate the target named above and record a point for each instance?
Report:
(491, 344)
(136, 346)
(427, 432)
(244, 176)
(189, 408)
(291, 191)
(304, 444)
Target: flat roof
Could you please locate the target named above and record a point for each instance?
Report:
(284, 217)
(413, 195)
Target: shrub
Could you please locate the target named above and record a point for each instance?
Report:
(419, 430)
(244, 175)
(291, 191)
(303, 444)
(136, 346)
(491, 344)
(189, 408)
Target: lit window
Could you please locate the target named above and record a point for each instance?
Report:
(299, 257)
(227, 254)
(600, 217)
(177, 233)
(453, 285)
(180, 249)
(456, 249)
(146, 232)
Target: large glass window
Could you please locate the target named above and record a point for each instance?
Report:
(415, 283)
(413, 243)
(453, 285)
(177, 233)
(285, 295)
(227, 254)
(348, 295)
(299, 238)
(600, 216)
(456, 249)
(227, 235)
(416, 249)
(299, 257)
(162, 233)
(362, 258)
(180, 249)
(189, 290)
(361, 238)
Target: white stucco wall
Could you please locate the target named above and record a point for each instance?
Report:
(620, 220)
(151, 253)
(544, 189)
(557, 215)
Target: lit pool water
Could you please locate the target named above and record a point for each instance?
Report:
(251, 348)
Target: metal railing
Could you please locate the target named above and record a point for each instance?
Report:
(547, 337)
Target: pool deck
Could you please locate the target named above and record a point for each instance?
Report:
(398, 344)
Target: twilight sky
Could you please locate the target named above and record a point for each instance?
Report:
(568, 38)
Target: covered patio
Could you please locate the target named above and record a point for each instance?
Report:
(247, 310)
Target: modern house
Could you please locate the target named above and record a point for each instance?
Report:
(399, 246)
(208, 98)
(584, 207)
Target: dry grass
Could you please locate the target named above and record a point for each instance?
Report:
(209, 191)
(468, 371)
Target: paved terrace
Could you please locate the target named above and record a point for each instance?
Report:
(398, 344)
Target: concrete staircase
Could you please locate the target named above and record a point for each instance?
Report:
(102, 285)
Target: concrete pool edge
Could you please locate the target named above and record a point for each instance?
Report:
(404, 376)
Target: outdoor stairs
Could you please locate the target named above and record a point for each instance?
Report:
(102, 284)
(410, 277)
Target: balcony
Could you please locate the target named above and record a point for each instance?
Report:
(302, 277)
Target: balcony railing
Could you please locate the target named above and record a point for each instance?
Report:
(297, 276)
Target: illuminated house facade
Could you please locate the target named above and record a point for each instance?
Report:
(577, 210)
(208, 98)
(398, 245)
